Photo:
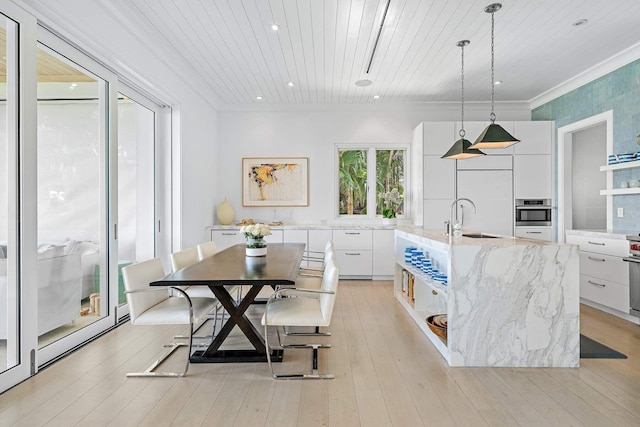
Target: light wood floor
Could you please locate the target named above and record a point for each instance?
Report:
(387, 373)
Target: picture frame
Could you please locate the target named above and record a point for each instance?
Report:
(275, 181)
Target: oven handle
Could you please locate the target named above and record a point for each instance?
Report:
(532, 207)
(630, 259)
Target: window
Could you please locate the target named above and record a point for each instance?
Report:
(363, 168)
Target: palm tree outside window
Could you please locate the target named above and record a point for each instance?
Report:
(366, 174)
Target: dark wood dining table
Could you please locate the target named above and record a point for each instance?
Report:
(232, 267)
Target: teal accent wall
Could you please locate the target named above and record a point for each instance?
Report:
(618, 91)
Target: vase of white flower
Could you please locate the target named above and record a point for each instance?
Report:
(255, 234)
(392, 200)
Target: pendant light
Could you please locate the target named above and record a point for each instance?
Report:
(494, 136)
(460, 149)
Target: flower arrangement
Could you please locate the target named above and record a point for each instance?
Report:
(392, 200)
(256, 233)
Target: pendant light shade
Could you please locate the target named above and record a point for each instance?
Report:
(461, 148)
(494, 136)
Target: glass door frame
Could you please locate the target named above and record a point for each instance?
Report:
(162, 120)
(108, 180)
(21, 138)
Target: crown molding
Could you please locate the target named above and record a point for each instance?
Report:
(605, 67)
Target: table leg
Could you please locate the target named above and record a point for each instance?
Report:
(236, 317)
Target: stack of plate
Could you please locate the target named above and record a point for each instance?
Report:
(622, 158)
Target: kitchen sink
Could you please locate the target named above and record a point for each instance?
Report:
(480, 236)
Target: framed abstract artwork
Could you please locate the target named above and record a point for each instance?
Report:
(275, 181)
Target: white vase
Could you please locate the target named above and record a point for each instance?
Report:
(389, 221)
(256, 247)
(225, 213)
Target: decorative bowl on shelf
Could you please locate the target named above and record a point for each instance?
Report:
(438, 325)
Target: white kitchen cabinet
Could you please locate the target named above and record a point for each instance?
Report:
(276, 236)
(318, 239)
(538, 233)
(533, 176)
(496, 161)
(439, 178)
(604, 276)
(436, 212)
(437, 137)
(536, 137)
(383, 254)
(298, 236)
(354, 252)
(227, 237)
(492, 193)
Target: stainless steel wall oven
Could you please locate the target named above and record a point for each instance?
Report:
(533, 212)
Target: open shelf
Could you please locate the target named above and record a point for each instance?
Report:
(619, 191)
(618, 166)
(438, 287)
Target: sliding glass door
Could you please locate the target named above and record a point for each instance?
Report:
(9, 289)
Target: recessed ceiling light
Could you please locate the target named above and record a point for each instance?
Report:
(259, 98)
(364, 82)
(580, 22)
(498, 82)
(74, 84)
(275, 27)
(290, 84)
(376, 96)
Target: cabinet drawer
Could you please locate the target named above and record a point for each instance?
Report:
(226, 238)
(604, 292)
(538, 233)
(606, 267)
(600, 245)
(354, 262)
(353, 239)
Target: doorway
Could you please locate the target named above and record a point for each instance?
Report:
(580, 153)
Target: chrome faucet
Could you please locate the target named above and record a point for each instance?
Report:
(453, 205)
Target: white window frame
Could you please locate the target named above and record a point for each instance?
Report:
(371, 179)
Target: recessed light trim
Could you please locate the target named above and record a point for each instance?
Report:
(291, 84)
(259, 98)
(363, 82)
(498, 82)
(275, 27)
(376, 96)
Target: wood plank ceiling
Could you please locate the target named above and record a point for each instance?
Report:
(323, 46)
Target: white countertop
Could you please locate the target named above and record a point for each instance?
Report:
(609, 234)
(313, 226)
(501, 241)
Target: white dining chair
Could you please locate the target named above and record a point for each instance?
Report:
(207, 249)
(317, 256)
(155, 306)
(296, 307)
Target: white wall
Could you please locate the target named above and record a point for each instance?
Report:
(313, 134)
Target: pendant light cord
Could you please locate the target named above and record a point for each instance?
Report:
(462, 132)
(493, 86)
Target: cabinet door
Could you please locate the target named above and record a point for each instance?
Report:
(383, 253)
(535, 137)
(537, 233)
(439, 178)
(491, 192)
(276, 236)
(436, 212)
(438, 137)
(226, 238)
(317, 241)
(354, 262)
(533, 176)
(353, 239)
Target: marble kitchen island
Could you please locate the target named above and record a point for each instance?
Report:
(509, 301)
